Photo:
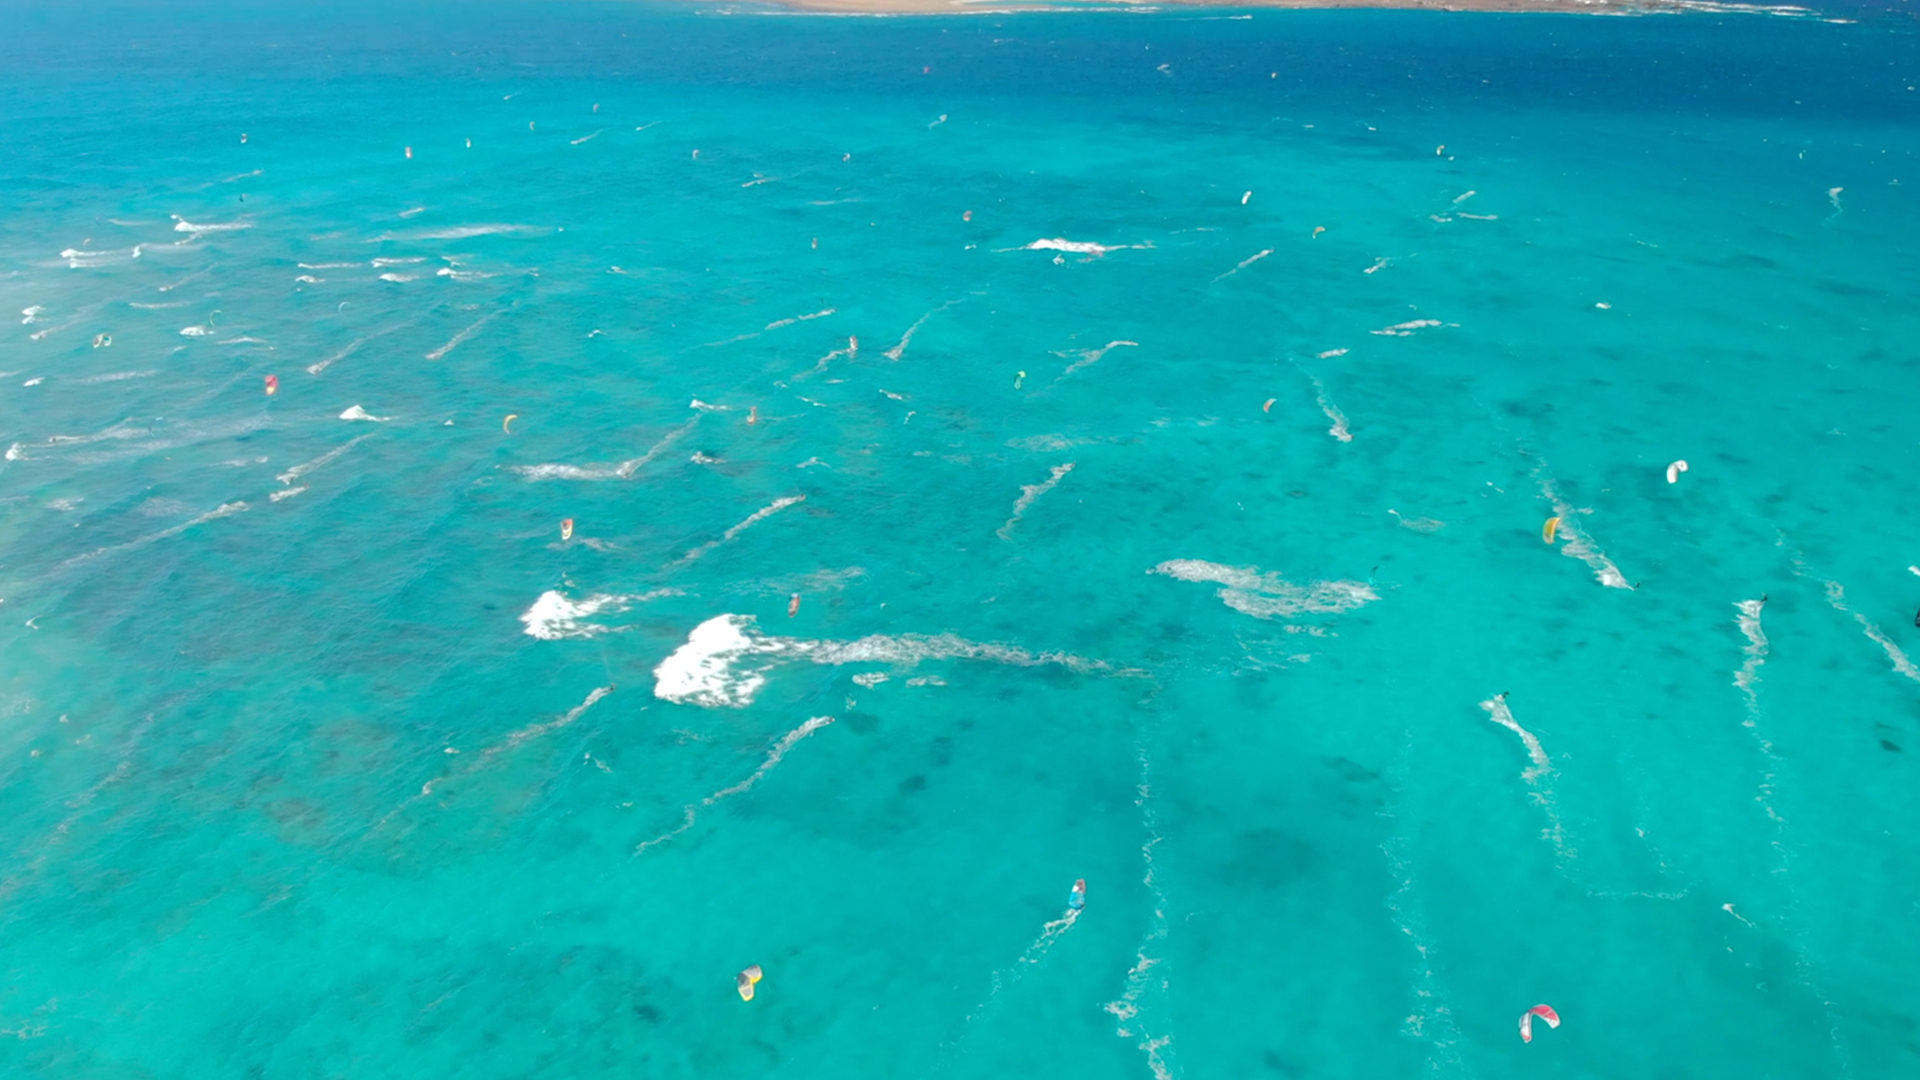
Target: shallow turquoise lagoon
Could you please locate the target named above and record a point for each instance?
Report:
(1155, 416)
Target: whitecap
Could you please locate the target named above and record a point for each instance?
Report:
(183, 225)
(1406, 329)
(355, 412)
(725, 660)
(1078, 247)
(553, 616)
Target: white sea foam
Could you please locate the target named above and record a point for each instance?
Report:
(461, 336)
(183, 225)
(778, 323)
(1432, 1019)
(1030, 492)
(286, 493)
(329, 266)
(821, 365)
(1007, 977)
(116, 376)
(355, 412)
(513, 741)
(195, 276)
(752, 519)
(898, 350)
(301, 470)
(1078, 247)
(1406, 329)
(353, 346)
(390, 276)
(625, 470)
(175, 437)
(584, 138)
(1837, 596)
(1536, 775)
(1747, 679)
(156, 307)
(1089, 357)
(1756, 649)
(553, 617)
(223, 510)
(1339, 428)
(32, 314)
(1146, 990)
(197, 331)
(1417, 524)
(1576, 544)
(1266, 595)
(725, 660)
(86, 260)
(1329, 354)
(120, 430)
(786, 743)
(1244, 263)
(309, 279)
(458, 232)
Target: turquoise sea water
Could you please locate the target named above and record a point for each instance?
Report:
(1090, 584)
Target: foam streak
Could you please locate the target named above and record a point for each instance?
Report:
(460, 337)
(752, 519)
(690, 812)
(299, 471)
(1030, 492)
(223, 510)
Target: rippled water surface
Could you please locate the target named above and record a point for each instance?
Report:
(747, 489)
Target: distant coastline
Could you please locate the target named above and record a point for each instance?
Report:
(1548, 7)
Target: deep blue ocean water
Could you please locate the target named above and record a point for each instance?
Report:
(1187, 554)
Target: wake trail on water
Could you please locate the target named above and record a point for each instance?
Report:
(1837, 597)
(725, 660)
(511, 742)
(1006, 978)
(1088, 357)
(1030, 492)
(1537, 774)
(1578, 544)
(354, 346)
(907, 338)
(1139, 1011)
(1431, 1020)
(330, 456)
(752, 519)
(223, 510)
(624, 470)
(455, 342)
(1747, 681)
(691, 810)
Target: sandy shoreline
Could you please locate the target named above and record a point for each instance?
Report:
(1552, 7)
